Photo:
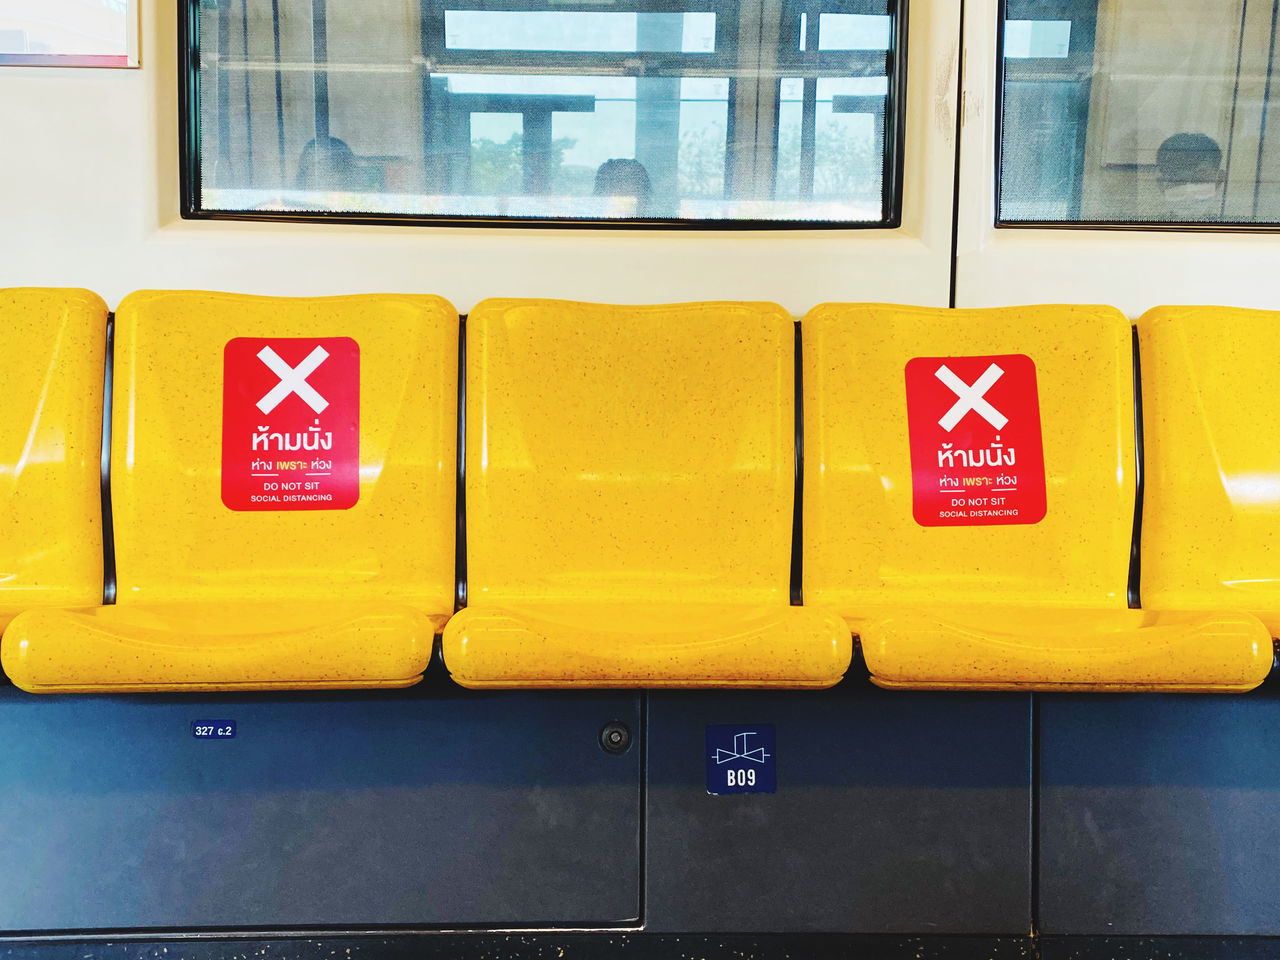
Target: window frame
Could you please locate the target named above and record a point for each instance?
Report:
(189, 141)
(1142, 226)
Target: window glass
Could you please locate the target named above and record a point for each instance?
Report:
(1139, 111)
(1037, 39)
(668, 110)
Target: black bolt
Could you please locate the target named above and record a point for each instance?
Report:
(615, 737)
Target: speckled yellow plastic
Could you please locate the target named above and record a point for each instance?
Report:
(210, 598)
(1013, 648)
(1211, 505)
(630, 501)
(52, 350)
(627, 645)
(249, 645)
(1037, 606)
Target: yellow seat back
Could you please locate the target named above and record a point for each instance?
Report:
(1211, 502)
(184, 531)
(52, 350)
(864, 543)
(629, 454)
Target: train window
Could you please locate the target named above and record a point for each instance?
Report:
(724, 111)
(1138, 112)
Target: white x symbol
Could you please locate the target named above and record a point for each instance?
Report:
(293, 379)
(971, 398)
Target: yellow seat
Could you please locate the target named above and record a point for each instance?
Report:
(52, 354)
(1211, 504)
(282, 479)
(957, 574)
(630, 485)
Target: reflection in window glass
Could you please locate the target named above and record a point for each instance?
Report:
(847, 149)
(580, 31)
(1139, 111)
(1037, 39)
(852, 31)
(649, 109)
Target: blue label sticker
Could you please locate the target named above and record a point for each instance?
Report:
(213, 729)
(740, 758)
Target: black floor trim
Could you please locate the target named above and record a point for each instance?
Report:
(541, 946)
(1165, 948)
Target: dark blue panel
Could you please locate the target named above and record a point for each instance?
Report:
(416, 808)
(1159, 740)
(1160, 814)
(894, 812)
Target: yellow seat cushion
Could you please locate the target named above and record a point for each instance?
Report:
(1030, 648)
(646, 645)
(203, 646)
(630, 500)
(973, 598)
(1211, 501)
(248, 548)
(52, 361)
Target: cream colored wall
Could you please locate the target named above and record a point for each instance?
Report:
(89, 175)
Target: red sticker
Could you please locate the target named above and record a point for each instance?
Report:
(977, 456)
(291, 423)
